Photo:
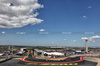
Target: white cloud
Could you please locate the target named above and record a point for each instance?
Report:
(95, 37)
(18, 13)
(84, 17)
(42, 30)
(84, 38)
(21, 33)
(74, 40)
(89, 6)
(93, 41)
(91, 38)
(3, 32)
(65, 39)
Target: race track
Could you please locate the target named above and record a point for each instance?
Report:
(19, 62)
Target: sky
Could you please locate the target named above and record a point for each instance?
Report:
(50, 22)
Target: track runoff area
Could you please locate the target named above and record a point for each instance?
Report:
(31, 60)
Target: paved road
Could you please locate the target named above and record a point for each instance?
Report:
(11, 62)
(17, 62)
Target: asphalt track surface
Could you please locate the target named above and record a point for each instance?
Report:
(18, 62)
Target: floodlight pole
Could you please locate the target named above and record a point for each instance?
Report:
(86, 46)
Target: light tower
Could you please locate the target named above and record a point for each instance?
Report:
(86, 45)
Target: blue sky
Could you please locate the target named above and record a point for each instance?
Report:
(55, 16)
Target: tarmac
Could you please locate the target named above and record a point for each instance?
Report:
(37, 62)
(17, 62)
(98, 60)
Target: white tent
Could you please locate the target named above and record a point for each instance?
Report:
(55, 53)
